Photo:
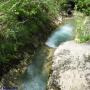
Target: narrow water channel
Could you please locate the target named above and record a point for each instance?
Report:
(36, 76)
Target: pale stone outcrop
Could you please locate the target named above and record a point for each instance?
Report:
(71, 67)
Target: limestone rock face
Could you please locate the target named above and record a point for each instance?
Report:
(71, 67)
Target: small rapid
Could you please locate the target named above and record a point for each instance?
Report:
(61, 34)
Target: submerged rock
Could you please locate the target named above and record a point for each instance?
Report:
(71, 67)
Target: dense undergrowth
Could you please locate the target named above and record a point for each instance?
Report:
(82, 27)
(21, 20)
(82, 20)
(83, 6)
(24, 24)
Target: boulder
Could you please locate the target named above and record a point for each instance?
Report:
(71, 67)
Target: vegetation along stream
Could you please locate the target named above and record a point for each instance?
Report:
(25, 62)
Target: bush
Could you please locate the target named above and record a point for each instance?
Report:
(82, 27)
(80, 5)
(20, 20)
(83, 6)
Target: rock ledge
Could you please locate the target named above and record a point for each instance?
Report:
(71, 67)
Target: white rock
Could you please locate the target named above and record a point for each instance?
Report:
(71, 67)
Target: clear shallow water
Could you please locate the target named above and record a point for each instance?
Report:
(36, 76)
(62, 34)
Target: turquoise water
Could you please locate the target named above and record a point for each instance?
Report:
(60, 35)
(36, 75)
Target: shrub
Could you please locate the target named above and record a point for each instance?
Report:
(20, 20)
(82, 27)
(83, 6)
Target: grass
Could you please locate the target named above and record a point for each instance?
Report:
(82, 27)
(21, 20)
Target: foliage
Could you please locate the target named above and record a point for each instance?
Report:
(83, 6)
(82, 27)
(21, 19)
